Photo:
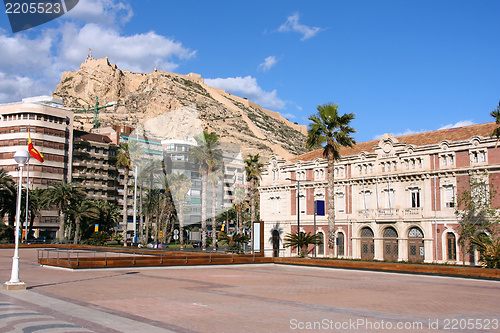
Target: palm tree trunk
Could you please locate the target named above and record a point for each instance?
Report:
(214, 221)
(204, 184)
(77, 230)
(240, 218)
(331, 205)
(180, 214)
(125, 206)
(146, 236)
(141, 217)
(60, 232)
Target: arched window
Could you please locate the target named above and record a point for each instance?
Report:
(390, 233)
(321, 247)
(340, 244)
(451, 246)
(366, 232)
(415, 233)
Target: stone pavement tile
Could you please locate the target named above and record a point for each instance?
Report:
(253, 298)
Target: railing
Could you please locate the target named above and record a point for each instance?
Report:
(413, 211)
(147, 257)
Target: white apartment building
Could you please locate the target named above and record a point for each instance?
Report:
(51, 129)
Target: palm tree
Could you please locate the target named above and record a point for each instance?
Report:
(330, 129)
(109, 215)
(82, 209)
(35, 205)
(205, 154)
(253, 168)
(239, 196)
(123, 161)
(496, 114)
(8, 196)
(179, 185)
(301, 241)
(62, 195)
(489, 248)
(214, 182)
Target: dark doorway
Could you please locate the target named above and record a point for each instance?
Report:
(367, 244)
(416, 250)
(390, 244)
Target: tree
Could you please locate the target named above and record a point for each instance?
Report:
(214, 182)
(8, 196)
(332, 130)
(82, 209)
(205, 154)
(475, 212)
(109, 215)
(123, 161)
(253, 168)
(489, 248)
(496, 114)
(301, 241)
(62, 195)
(35, 205)
(179, 186)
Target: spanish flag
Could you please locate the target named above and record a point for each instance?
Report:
(33, 152)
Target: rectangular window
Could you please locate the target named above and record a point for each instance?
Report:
(415, 198)
(389, 198)
(449, 196)
(340, 202)
(302, 204)
(367, 200)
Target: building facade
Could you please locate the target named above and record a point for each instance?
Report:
(395, 198)
(51, 129)
(94, 165)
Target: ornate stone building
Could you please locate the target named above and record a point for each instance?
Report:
(395, 198)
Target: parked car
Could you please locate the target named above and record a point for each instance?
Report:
(197, 244)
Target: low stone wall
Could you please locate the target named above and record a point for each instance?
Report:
(458, 271)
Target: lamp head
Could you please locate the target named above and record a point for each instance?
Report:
(21, 157)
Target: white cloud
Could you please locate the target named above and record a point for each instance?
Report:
(268, 63)
(33, 65)
(458, 124)
(248, 87)
(292, 24)
(14, 87)
(137, 53)
(21, 54)
(105, 12)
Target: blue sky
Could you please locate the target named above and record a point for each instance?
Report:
(400, 66)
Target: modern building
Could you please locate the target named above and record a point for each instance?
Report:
(50, 126)
(94, 165)
(395, 198)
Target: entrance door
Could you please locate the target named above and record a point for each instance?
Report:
(416, 252)
(276, 243)
(390, 244)
(367, 244)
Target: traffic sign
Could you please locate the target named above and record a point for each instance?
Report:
(176, 232)
(176, 237)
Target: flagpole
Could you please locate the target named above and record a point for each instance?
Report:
(27, 196)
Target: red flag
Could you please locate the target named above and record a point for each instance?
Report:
(32, 150)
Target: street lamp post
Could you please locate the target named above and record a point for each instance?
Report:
(21, 157)
(298, 200)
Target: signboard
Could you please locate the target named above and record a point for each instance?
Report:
(320, 207)
(96, 227)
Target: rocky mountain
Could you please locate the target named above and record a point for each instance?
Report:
(141, 98)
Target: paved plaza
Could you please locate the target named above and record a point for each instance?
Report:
(242, 298)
